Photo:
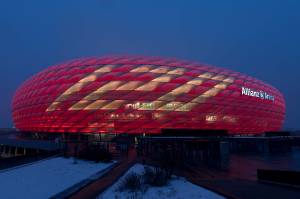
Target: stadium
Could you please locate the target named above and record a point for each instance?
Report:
(143, 95)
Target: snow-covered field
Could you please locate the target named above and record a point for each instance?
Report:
(178, 188)
(45, 178)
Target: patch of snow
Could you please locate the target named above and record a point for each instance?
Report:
(46, 178)
(178, 188)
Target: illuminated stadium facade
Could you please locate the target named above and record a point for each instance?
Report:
(144, 95)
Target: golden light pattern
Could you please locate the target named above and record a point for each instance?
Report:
(149, 86)
(160, 69)
(114, 105)
(129, 86)
(177, 71)
(165, 103)
(79, 85)
(96, 105)
(142, 69)
(110, 86)
(163, 78)
(206, 95)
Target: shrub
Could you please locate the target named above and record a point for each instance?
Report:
(155, 177)
(132, 182)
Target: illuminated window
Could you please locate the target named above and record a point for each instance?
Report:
(140, 106)
(96, 105)
(161, 69)
(148, 86)
(80, 105)
(114, 105)
(170, 106)
(163, 78)
(154, 105)
(130, 85)
(141, 69)
(186, 107)
(211, 118)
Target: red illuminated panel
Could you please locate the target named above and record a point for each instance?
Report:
(143, 95)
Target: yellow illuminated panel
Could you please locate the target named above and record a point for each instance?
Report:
(96, 105)
(80, 105)
(53, 106)
(94, 95)
(219, 77)
(206, 75)
(200, 99)
(211, 92)
(177, 91)
(221, 85)
(141, 69)
(148, 86)
(229, 79)
(196, 81)
(89, 78)
(105, 69)
(73, 89)
(130, 85)
(163, 78)
(161, 69)
(114, 105)
(113, 85)
(182, 89)
(178, 71)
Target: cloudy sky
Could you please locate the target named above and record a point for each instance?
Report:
(259, 37)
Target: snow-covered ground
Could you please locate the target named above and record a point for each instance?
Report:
(178, 188)
(45, 178)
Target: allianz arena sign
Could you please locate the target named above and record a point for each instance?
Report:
(259, 94)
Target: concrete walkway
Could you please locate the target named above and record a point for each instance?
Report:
(235, 188)
(94, 189)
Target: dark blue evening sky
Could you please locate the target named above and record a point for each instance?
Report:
(259, 38)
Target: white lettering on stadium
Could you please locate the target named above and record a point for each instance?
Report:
(259, 94)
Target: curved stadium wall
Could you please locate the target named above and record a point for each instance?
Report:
(144, 95)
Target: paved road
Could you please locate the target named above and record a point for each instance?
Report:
(238, 188)
(97, 187)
